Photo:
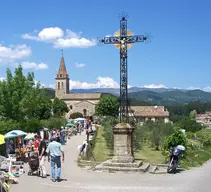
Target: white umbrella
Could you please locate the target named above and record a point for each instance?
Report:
(80, 119)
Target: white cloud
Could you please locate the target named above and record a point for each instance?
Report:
(50, 34)
(13, 52)
(153, 86)
(60, 38)
(107, 82)
(192, 88)
(102, 82)
(207, 89)
(2, 79)
(33, 65)
(80, 65)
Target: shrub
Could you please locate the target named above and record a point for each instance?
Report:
(190, 125)
(108, 124)
(190, 135)
(204, 136)
(156, 131)
(31, 125)
(139, 135)
(53, 122)
(177, 138)
(6, 126)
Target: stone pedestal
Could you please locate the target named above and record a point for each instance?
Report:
(123, 149)
(123, 159)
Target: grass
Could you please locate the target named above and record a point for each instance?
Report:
(150, 155)
(101, 151)
(196, 159)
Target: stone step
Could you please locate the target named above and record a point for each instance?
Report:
(152, 169)
(109, 163)
(115, 169)
(161, 170)
(144, 167)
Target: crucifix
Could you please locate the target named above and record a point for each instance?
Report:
(123, 39)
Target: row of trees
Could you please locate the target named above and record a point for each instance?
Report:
(182, 115)
(24, 104)
(177, 112)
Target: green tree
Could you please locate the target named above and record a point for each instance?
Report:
(21, 99)
(177, 138)
(189, 125)
(31, 125)
(8, 125)
(159, 132)
(193, 114)
(204, 136)
(59, 108)
(53, 122)
(23, 104)
(108, 106)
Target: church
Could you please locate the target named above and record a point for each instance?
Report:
(85, 103)
(82, 103)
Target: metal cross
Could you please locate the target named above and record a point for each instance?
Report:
(123, 41)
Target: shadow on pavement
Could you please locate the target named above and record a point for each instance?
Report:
(60, 180)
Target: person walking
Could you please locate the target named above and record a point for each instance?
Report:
(42, 155)
(55, 153)
(62, 133)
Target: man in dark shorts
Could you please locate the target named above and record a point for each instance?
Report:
(42, 155)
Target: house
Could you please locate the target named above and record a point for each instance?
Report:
(204, 119)
(144, 113)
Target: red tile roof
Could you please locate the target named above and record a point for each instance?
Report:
(150, 111)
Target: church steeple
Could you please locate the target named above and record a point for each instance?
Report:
(62, 80)
(62, 73)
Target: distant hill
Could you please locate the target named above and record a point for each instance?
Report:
(152, 96)
(50, 92)
(171, 97)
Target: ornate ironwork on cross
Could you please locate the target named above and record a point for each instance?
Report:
(124, 39)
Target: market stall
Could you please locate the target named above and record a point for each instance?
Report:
(14, 143)
(6, 177)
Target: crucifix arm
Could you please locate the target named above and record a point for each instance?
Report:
(111, 40)
(136, 38)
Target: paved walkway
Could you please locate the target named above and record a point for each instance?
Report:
(80, 180)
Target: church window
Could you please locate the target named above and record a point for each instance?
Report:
(62, 85)
(60, 75)
(85, 112)
(58, 85)
(71, 107)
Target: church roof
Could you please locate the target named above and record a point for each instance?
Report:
(82, 96)
(62, 73)
(150, 111)
(87, 101)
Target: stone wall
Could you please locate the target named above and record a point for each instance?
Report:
(86, 107)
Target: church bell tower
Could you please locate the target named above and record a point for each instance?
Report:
(62, 80)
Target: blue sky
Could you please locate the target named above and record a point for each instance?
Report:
(34, 32)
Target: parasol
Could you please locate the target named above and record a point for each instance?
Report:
(14, 133)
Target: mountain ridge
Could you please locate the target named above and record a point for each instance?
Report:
(154, 96)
